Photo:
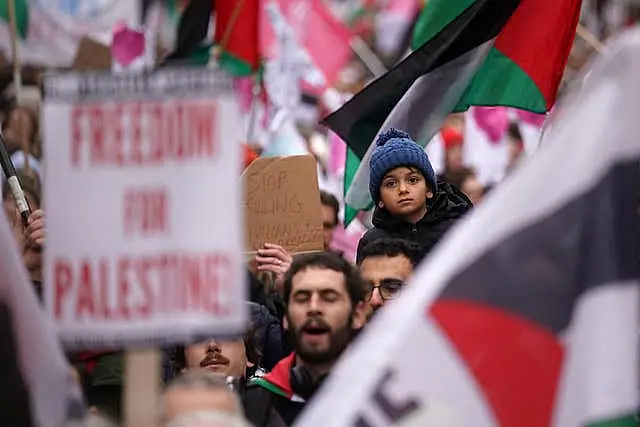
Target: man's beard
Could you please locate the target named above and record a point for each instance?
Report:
(339, 339)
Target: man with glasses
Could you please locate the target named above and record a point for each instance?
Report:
(386, 264)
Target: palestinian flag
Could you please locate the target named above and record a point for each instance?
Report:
(33, 27)
(22, 16)
(278, 381)
(236, 35)
(466, 52)
(36, 383)
(527, 315)
(193, 27)
(235, 38)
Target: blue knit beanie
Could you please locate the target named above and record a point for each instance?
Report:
(395, 148)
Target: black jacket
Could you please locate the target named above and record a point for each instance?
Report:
(270, 335)
(259, 409)
(443, 210)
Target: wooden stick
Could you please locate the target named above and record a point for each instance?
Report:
(26, 148)
(142, 387)
(227, 33)
(589, 38)
(367, 56)
(13, 26)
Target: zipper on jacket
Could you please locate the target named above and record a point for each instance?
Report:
(414, 229)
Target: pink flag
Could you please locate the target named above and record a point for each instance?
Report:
(531, 118)
(324, 37)
(127, 45)
(337, 154)
(244, 92)
(405, 8)
(493, 121)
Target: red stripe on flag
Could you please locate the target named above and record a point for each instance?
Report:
(516, 363)
(237, 28)
(538, 38)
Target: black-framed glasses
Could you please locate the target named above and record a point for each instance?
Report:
(388, 289)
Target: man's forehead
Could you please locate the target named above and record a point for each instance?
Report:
(382, 264)
(318, 278)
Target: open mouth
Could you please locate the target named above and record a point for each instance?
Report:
(315, 330)
(315, 334)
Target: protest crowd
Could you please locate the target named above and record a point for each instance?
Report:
(320, 213)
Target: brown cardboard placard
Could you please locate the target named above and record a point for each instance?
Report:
(92, 55)
(282, 204)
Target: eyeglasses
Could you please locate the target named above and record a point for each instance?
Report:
(388, 289)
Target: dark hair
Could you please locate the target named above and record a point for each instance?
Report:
(328, 199)
(392, 247)
(513, 131)
(33, 118)
(250, 338)
(30, 184)
(328, 261)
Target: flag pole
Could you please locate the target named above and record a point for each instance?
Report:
(13, 26)
(367, 56)
(589, 38)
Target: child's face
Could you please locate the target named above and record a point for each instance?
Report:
(404, 192)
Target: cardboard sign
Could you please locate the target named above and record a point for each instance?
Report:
(91, 55)
(282, 204)
(143, 207)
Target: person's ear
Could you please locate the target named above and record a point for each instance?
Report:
(359, 316)
(429, 194)
(380, 204)
(285, 323)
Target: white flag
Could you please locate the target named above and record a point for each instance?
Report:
(37, 387)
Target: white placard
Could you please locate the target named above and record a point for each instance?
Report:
(143, 207)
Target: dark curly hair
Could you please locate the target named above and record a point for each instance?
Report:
(392, 247)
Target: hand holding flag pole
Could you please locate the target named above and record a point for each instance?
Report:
(14, 184)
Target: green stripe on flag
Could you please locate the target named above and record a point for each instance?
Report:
(502, 82)
(268, 386)
(22, 15)
(627, 421)
(234, 65)
(434, 17)
(351, 167)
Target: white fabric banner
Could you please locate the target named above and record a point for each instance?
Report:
(55, 28)
(34, 349)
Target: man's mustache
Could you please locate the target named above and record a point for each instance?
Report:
(214, 358)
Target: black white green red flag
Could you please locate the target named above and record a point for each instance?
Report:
(528, 313)
(466, 52)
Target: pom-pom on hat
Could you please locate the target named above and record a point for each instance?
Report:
(395, 148)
